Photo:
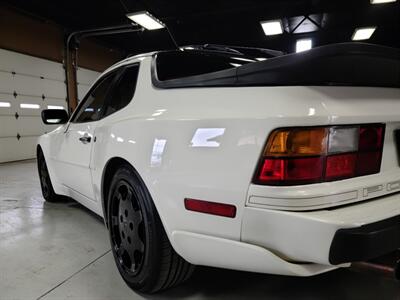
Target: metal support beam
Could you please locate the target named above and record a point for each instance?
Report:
(71, 55)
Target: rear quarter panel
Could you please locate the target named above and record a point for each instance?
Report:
(204, 143)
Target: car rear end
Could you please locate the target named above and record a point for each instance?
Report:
(330, 194)
(325, 188)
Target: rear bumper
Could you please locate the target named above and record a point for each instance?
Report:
(365, 242)
(299, 243)
(329, 237)
(218, 252)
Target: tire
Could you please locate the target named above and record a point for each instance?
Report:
(45, 182)
(141, 249)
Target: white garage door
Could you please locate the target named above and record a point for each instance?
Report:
(85, 78)
(27, 85)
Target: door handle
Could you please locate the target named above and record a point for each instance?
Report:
(85, 139)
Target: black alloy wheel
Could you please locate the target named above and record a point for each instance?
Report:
(127, 228)
(140, 246)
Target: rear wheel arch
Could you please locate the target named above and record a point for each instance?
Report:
(109, 171)
(158, 266)
(112, 166)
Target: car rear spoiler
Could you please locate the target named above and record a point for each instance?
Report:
(346, 64)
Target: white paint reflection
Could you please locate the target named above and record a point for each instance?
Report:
(235, 65)
(82, 133)
(311, 111)
(157, 152)
(247, 140)
(243, 59)
(132, 142)
(204, 137)
(120, 139)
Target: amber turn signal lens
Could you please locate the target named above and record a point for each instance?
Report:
(295, 142)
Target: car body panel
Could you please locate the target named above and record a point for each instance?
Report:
(205, 143)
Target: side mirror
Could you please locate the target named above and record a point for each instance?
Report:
(54, 116)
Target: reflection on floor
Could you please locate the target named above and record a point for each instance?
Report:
(61, 251)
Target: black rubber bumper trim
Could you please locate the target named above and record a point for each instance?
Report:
(365, 242)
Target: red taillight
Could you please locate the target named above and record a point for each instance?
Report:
(296, 169)
(368, 163)
(212, 208)
(317, 154)
(371, 138)
(340, 166)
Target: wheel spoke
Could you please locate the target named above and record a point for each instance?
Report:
(119, 197)
(137, 217)
(138, 244)
(129, 195)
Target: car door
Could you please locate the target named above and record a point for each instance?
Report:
(119, 97)
(74, 151)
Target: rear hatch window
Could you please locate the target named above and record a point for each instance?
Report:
(178, 64)
(346, 64)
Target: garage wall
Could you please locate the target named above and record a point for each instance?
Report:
(31, 72)
(33, 83)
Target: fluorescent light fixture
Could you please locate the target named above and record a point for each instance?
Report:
(146, 20)
(54, 107)
(272, 27)
(261, 58)
(363, 33)
(303, 45)
(382, 1)
(29, 106)
(5, 104)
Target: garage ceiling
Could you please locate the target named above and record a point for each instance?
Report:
(231, 22)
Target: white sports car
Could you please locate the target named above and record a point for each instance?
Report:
(239, 158)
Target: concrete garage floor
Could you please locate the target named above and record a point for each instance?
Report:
(61, 251)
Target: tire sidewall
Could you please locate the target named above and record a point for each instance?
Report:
(50, 196)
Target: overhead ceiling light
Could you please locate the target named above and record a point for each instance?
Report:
(382, 1)
(5, 104)
(261, 58)
(363, 33)
(303, 45)
(235, 65)
(146, 20)
(272, 27)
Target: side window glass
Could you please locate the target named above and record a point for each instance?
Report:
(93, 105)
(123, 91)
